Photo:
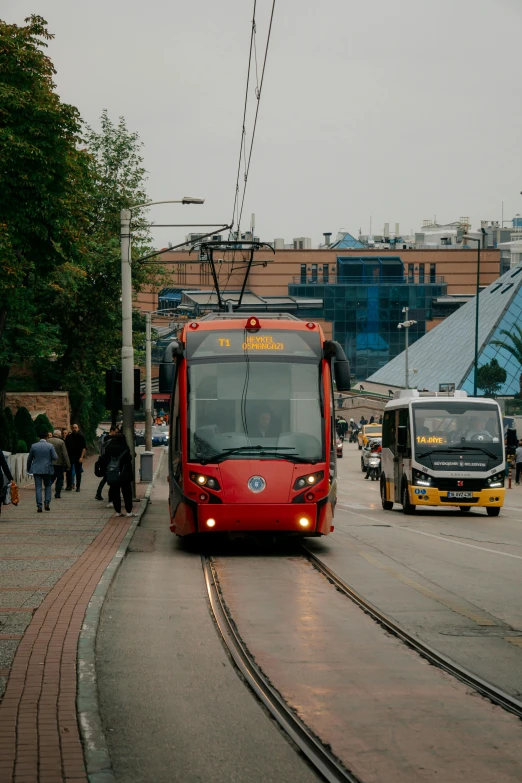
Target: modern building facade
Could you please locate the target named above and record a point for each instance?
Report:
(357, 293)
(447, 353)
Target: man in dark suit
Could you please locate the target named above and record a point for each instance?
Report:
(263, 426)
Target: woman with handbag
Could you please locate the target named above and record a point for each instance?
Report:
(5, 479)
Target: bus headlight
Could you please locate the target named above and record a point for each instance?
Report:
(308, 481)
(496, 481)
(421, 479)
(205, 481)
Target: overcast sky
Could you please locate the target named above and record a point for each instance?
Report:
(400, 110)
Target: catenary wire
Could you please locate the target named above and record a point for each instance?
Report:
(258, 95)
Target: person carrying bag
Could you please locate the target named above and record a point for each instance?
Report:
(117, 463)
(6, 479)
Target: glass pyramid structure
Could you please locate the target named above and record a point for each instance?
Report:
(447, 353)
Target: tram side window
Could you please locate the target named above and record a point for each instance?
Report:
(388, 431)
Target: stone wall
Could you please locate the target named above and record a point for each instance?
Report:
(54, 404)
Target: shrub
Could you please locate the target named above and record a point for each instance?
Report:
(25, 427)
(21, 447)
(10, 422)
(5, 439)
(42, 424)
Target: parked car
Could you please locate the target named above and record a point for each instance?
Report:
(339, 446)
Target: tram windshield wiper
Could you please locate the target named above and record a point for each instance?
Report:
(261, 451)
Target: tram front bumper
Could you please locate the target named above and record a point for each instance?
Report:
(430, 496)
(291, 517)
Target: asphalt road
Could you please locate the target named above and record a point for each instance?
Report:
(454, 580)
(173, 707)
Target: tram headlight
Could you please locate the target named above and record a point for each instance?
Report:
(308, 481)
(210, 522)
(205, 481)
(421, 479)
(304, 522)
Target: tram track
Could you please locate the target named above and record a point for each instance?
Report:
(495, 695)
(318, 755)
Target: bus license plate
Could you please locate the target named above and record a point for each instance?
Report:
(461, 495)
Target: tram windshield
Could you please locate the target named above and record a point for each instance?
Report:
(255, 410)
(452, 425)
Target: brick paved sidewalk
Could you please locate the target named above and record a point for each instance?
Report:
(50, 564)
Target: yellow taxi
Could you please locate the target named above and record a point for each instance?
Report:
(367, 432)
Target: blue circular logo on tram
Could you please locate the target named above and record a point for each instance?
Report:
(256, 484)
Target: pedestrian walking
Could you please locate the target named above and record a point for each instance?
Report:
(104, 440)
(518, 462)
(76, 447)
(118, 470)
(62, 464)
(5, 479)
(40, 463)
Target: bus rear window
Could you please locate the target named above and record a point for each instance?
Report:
(264, 343)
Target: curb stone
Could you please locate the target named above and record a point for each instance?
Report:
(96, 753)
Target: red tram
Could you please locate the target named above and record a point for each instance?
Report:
(252, 444)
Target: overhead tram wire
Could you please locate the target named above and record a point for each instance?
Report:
(242, 145)
(258, 96)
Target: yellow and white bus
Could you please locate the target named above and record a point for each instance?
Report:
(442, 449)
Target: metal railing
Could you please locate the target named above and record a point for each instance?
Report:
(321, 279)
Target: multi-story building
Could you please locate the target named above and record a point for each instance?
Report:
(358, 292)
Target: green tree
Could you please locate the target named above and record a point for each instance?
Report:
(490, 378)
(25, 426)
(513, 345)
(11, 429)
(5, 435)
(87, 305)
(42, 424)
(40, 164)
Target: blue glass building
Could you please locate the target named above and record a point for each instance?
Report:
(447, 353)
(364, 301)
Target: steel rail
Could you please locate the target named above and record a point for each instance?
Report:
(323, 761)
(491, 692)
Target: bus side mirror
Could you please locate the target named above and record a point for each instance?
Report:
(342, 375)
(402, 438)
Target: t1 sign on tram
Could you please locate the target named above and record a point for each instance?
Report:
(236, 343)
(252, 427)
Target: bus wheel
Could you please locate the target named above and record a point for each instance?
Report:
(465, 509)
(407, 507)
(386, 504)
(493, 511)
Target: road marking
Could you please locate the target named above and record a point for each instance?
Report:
(455, 606)
(440, 538)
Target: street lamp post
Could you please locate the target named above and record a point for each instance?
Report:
(406, 325)
(127, 349)
(148, 382)
(478, 240)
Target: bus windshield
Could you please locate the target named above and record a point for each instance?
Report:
(454, 425)
(255, 410)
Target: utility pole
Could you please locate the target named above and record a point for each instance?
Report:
(148, 383)
(127, 348)
(406, 325)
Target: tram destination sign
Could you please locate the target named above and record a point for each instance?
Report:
(237, 342)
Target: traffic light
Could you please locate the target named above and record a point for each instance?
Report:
(113, 394)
